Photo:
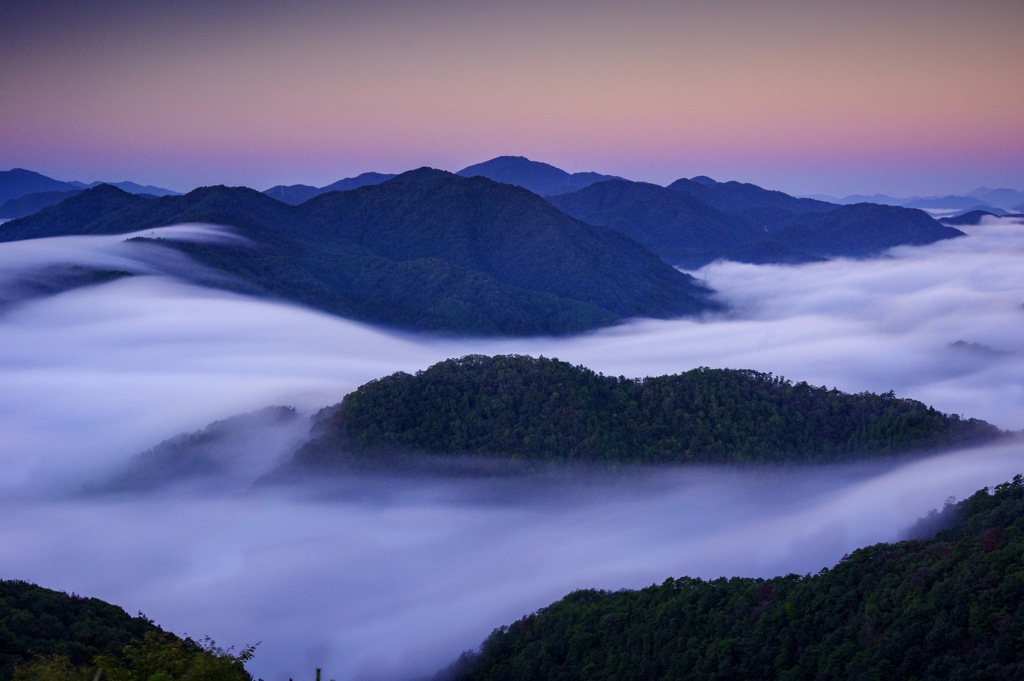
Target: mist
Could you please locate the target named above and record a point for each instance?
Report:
(392, 577)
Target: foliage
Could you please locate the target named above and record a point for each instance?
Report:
(38, 621)
(47, 635)
(541, 409)
(951, 607)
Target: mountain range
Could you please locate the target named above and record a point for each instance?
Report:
(996, 201)
(510, 246)
(426, 250)
(24, 192)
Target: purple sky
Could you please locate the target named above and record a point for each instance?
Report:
(807, 97)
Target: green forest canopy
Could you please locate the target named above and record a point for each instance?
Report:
(538, 409)
(48, 635)
(951, 607)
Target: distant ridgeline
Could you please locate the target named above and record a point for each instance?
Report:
(48, 635)
(521, 408)
(424, 251)
(951, 607)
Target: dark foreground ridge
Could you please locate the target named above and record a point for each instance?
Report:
(48, 635)
(521, 408)
(951, 607)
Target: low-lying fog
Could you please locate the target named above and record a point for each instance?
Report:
(392, 578)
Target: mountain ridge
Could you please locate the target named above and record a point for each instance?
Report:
(427, 250)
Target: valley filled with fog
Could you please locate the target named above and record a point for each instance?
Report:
(391, 577)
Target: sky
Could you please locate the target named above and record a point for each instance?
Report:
(920, 97)
(391, 578)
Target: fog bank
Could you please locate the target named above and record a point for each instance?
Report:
(388, 578)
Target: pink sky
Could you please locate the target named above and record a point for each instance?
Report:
(923, 97)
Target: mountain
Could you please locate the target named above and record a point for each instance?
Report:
(995, 201)
(858, 230)
(131, 188)
(747, 199)
(33, 203)
(948, 606)
(1007, 199)
(973, 217)
(18, 182)
(680, 228)
(426, 250)
(539, 178)
(693, 222)
(22, 190)
(300, 193)
(520, 408)
(220, 450)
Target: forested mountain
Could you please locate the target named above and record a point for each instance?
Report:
(692, 222)
(949, 607)
(426, 250)
(680, 228)
(539, 178)
(543, 410)
(48, 635)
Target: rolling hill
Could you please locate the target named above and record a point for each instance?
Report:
(519, 408)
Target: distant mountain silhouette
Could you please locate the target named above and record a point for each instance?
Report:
(39, 191)
(19, 182)
(539, 178)
(973, 217)
(693, 222)
(678, 227)
(427, 250)
(300, 193)
(33, 203)
(747, 199)
(131, 188)
(995, 201)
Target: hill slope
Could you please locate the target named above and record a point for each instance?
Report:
(522, 408)
(948, 608)
(692, 222)
(426, 251)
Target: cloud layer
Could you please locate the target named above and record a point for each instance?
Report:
(389, 578)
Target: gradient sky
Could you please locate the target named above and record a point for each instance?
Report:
(917, 97)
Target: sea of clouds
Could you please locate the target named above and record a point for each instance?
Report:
(386, 577)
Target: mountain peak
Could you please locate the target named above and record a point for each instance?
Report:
(423, 174)
(540, 178)
(704, 180)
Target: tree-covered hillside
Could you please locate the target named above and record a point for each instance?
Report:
(951, 607)
(541, 409)
(48, 635)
